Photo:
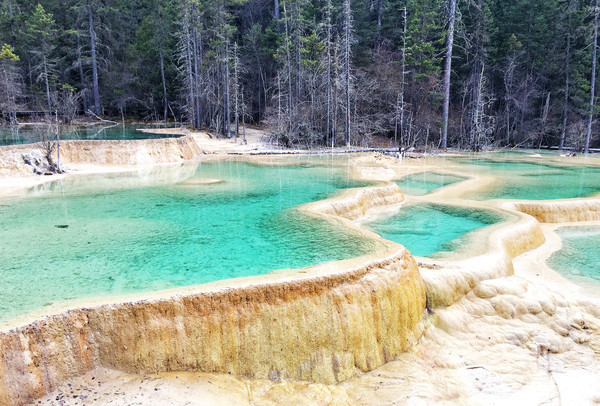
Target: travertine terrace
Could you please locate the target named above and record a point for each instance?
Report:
(502, 325)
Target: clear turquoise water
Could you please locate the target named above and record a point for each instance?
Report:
(428, 229)
(533, 165)
(579, 258)
(125, 233)
(571, 182)
(424, 182)
(28, 134)
(534, 180)
(123, 240)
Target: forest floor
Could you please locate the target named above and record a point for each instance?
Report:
(254, 140)
(258, 141)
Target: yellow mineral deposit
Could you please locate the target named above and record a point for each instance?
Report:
(320, 329)
(503, 329)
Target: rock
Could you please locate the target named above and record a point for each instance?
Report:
(33, 158)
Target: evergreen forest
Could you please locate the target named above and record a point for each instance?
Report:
(457, 73)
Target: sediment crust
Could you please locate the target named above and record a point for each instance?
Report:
(564, 211)
(320, 329)
(354, 206)
(131, 152)
(105, 152)
(521, 237)
(448, 283)
(452, 280)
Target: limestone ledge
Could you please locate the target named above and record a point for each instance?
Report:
(519, 238)
(105, 152)
(446, 281)
(356, 203)
(564, 211)
(321, 329)
(449, 281)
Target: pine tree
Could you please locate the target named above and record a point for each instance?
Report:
(96, 104)
(10, 83)
(41, 35)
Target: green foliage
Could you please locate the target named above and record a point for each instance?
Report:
(519, 44)
(40, 27)
(425, 36)
(312, 48)
(67, 87)
(8, 54)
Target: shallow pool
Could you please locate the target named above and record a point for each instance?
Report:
(579, 258)
(27, 134)
(533, 180)
(93, 237)
(427, 229)
(535, 165)
(423, 183)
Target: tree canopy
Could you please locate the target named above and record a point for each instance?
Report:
(314, 72)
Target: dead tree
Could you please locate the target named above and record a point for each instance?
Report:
(447, 69)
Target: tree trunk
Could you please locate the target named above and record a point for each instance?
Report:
(328, 72)
(403, 76)
(278, 103)
(347, 28)
(243, 120)
(12, 24)
(477, 127)
(47, 88)
(186, 50)
(508, 79)
(236, 91)
(289, 70)
(196, 61)
(162, 70)
(95, 87)
(447, 70)
(164, 85)
(593, 81)
(379, 11)
(81, 74)
(227, 101)
(563, 132)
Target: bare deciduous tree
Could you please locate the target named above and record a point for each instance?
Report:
(10, 83)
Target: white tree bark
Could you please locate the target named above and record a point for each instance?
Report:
(97, 106)
(447, 70)
(593, 81)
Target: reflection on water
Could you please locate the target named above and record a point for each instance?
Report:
(26, 134)
(533, 180)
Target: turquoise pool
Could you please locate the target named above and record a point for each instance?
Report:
(579, 258)
(92, 237)
(27, 134)
(116, 234)
(533, 180)
(423, 183)
(428, 229)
